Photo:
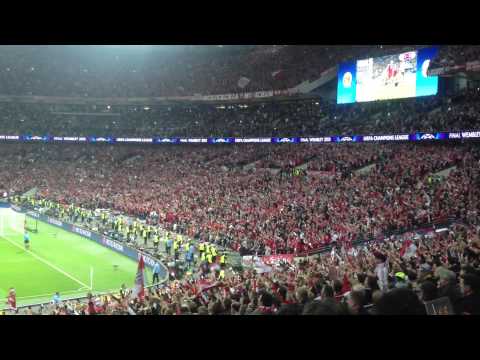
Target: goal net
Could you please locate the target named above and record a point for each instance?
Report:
(31, 224)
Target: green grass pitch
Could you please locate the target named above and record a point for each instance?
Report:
(57, 261)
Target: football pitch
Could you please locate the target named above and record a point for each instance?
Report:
(57, 261)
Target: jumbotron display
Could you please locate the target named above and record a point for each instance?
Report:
(387, 77)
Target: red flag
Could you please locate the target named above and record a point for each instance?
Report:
(139, 290)
(12, 299)
(346, 287)
(405, 246)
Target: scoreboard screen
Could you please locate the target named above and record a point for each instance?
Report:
(388, 77)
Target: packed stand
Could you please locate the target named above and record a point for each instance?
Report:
(434, 273)
(256, 211)
(450, 55)
(312, 117)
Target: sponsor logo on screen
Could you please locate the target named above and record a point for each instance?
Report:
(313, 139)
(347, 79)
(54, 221)
(471, 134)
(385, 137)
(427, 137)
(193, 141)
(346, 139)
(135, 140)
(112, 244)
(9, 137)
(253, 140)
(81, 231)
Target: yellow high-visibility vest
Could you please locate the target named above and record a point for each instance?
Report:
(209, 258)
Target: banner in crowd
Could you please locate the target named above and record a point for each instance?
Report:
(255, 262)
(438, 136)
(248, 95)
(264, 264)
(278, 259)
(149, 100)
(103, 240)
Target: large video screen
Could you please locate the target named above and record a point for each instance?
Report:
(387, 77)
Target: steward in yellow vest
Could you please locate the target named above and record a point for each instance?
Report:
(209, 258)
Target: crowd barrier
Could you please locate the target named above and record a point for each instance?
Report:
(419, 136)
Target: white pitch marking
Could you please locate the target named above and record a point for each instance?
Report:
(48, 263)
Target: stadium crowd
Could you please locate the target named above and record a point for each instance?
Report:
(209, 193)
(356, 200)
(312, 117)
(255, 211)
(456, 55)
(99, 71)
(396, 277)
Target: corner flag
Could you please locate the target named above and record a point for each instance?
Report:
(139, 290)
